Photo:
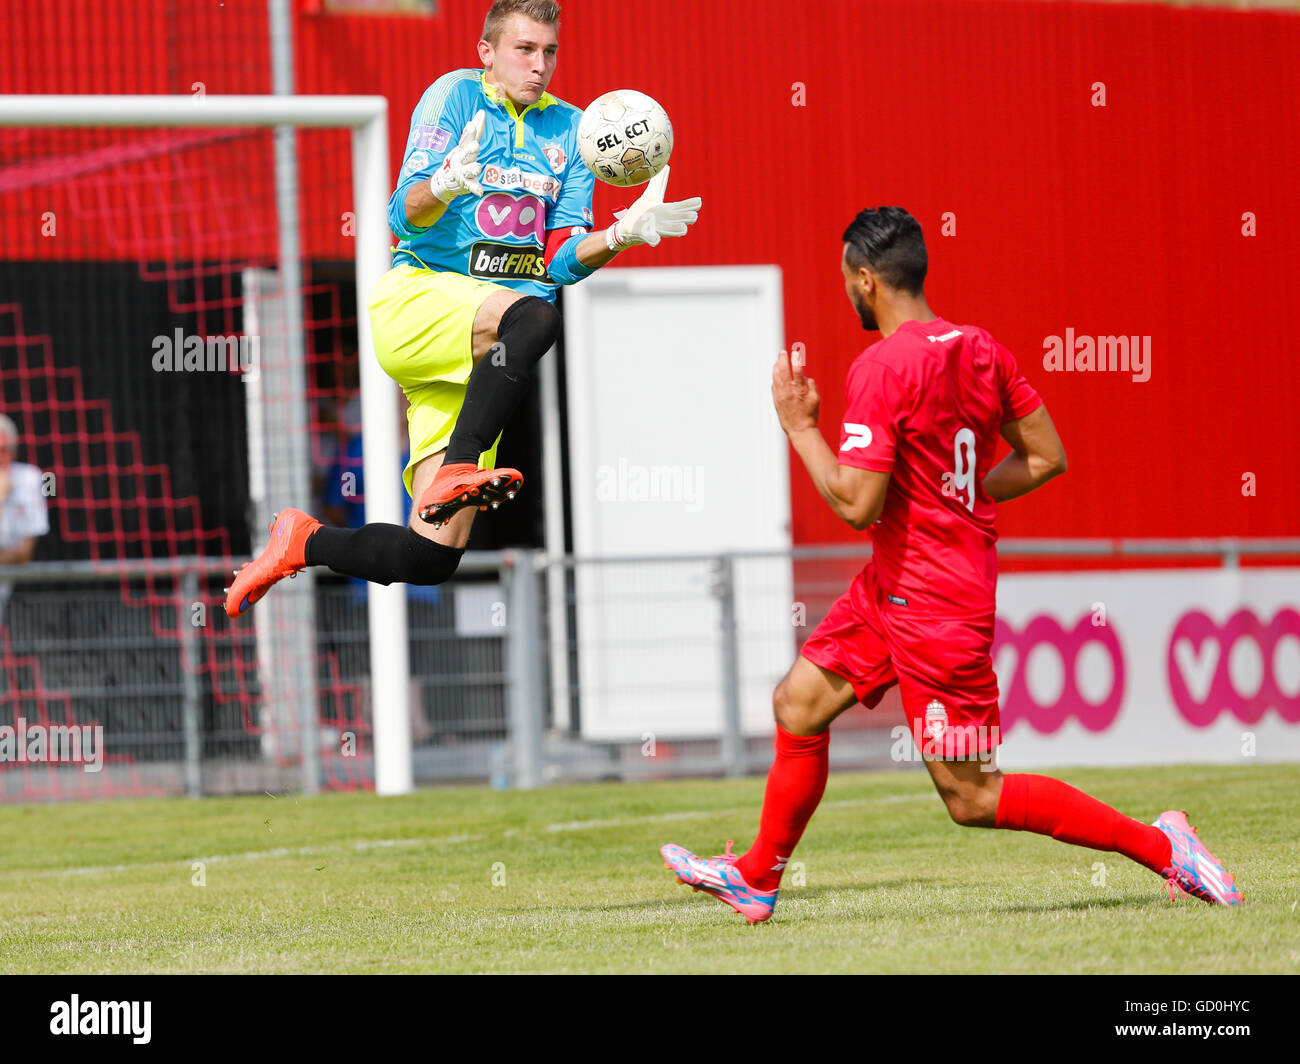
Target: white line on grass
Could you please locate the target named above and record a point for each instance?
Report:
(702, 814)
(252, 855)
(441, 840)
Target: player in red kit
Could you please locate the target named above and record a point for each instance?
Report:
(926, 405)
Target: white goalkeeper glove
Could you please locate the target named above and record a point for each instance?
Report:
(459, 172)
(650, 219)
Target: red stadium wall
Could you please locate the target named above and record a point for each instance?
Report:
(1125, 219)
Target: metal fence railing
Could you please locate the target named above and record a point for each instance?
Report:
(523, 669)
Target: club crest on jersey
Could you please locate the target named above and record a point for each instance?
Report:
(936, 719)
(859, 436)
(555, 156)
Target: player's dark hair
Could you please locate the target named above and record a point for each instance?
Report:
(546, 12)
(889, 242)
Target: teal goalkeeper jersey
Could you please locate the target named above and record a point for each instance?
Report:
(533, 181)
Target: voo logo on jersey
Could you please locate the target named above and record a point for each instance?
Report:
(524, 217)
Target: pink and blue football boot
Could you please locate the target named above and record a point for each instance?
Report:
(718, 876)
(1193, 868)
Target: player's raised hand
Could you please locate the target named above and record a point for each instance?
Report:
(650, 219)
(794, 395)
(459, 172)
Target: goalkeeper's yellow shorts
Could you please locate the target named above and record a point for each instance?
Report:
(423, 326)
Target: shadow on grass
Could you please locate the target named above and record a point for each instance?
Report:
(687, 896)
(1122, 901)
(1126, 901)
(846, 891)
(1110, 902)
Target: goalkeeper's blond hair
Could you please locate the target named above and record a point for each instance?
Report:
(544, 11)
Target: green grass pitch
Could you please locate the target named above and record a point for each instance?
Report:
(569, 879)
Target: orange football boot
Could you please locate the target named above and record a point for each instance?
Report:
(463, 484)
(283, 556)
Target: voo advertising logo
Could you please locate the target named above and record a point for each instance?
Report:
(1243, 666)
(1049, 674)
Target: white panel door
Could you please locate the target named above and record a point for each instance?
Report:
(675, 450)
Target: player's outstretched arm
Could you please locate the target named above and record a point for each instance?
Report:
(647, 221)
(856, 495)
(1037, 455)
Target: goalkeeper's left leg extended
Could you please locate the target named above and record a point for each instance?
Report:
(283, 556)
(423, 325)
(380, 553)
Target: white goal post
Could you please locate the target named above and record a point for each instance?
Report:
(382, 437)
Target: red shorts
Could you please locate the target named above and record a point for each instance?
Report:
(942, 666)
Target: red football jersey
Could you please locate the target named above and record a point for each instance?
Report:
(926, 405)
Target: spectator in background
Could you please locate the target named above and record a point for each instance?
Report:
(22, 507)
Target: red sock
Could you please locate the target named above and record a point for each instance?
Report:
(1050, 807)
(795, 785)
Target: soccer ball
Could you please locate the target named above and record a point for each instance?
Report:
(625, 137)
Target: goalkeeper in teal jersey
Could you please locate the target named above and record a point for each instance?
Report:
(531, 183)
(492, 212)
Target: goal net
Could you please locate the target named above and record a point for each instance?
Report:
(181, 354)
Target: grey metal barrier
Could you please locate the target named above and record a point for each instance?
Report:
(524, 669)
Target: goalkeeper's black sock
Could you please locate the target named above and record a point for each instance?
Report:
(527, 330)
(383, 554)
